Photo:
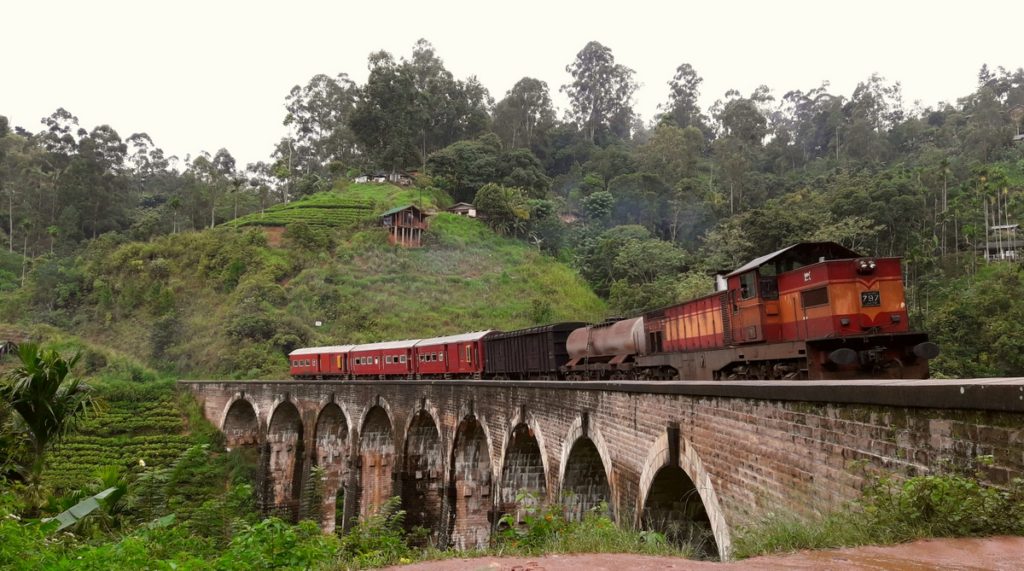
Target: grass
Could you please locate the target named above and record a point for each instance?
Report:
(465, 278)
(895, 512)
(346, 206)
(221, 303)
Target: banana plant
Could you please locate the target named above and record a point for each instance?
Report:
(79, 511)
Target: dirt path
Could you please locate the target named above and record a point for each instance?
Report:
(1002, 553)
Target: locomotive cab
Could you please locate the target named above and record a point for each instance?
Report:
(848, 309)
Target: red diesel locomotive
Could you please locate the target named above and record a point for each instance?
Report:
(810, 311)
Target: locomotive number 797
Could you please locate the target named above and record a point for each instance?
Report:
(870, 299)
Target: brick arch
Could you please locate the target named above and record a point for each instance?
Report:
(376, 451)
(533, 424)
(592, 434)
(523, 463)
(423, 473)
(237, 403)
(381, 402)
(346, 411)
(470, 484)
(284, 449)
(690, 463)
(331, 443)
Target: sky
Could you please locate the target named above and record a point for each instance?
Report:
(202, 75)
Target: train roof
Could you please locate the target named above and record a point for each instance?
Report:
(799, 255)
(324, 349)
(561, 326)
(460, 338)
(387, 345)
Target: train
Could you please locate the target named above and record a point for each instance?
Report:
(810, 311)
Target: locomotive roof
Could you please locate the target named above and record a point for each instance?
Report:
(799, 255)
(460, 338)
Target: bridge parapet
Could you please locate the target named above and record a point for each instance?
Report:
(710, 456)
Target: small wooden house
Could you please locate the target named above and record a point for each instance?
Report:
(405, 225)
(462, 209)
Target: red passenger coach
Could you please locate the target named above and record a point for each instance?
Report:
(452, 356)
(305, 363)
(383, 360)
(329, 362)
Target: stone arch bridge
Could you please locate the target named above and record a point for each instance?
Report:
(692, 459)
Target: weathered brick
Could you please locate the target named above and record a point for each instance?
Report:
(803, 458)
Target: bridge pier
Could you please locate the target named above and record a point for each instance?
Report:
(423, 474)
(470, 486)
(376, 460)
(685, 458)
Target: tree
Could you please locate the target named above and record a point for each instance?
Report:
(410, 108)
(319, 112)
(682, 109)
(525, 114)
(47, 397)
(645, 274)
(601, 93)
(872, 110)
(463, 167)
(386, 117)
(640, 198)
(447, 109)
(672, 153)
(505, 209)
(738, 151)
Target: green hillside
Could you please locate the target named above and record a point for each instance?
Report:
(345, 206)
(223, 302)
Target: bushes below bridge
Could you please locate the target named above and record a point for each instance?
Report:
(893, 511)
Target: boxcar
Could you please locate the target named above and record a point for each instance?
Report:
(533, 353)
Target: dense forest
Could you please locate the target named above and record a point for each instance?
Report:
(646, 211)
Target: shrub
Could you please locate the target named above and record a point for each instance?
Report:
(894, 512)
(379, 539)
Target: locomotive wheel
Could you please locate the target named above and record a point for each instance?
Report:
(620, 376)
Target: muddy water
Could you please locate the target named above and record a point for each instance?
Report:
(993, 553)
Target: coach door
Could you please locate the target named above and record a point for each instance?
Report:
(747, 308)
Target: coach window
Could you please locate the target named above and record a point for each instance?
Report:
(748, 287)
(401, 358)
(387, 360)
(440, 356)
(376, 360)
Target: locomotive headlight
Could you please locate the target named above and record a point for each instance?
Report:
(865, 265)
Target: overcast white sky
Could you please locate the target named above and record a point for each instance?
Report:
(201, 75)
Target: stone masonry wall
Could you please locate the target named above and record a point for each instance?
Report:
(744, 455)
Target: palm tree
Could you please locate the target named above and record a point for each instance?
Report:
(47, 397)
